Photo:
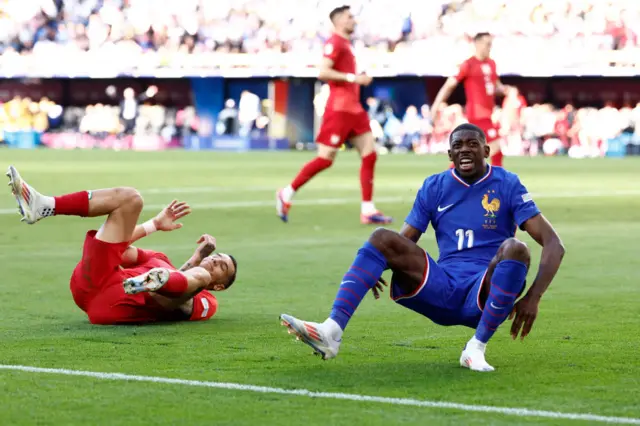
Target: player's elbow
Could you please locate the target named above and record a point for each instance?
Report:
(556, 245)
(323, 75)
(199, 276)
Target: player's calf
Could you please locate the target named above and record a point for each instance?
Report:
(34, 206)
(506, 282)
(383, 249)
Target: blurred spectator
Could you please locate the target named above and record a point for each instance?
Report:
(228, 123)
(248, 112)
(129, 105)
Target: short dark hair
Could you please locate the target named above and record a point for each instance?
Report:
(481, 35)
(235, 271)
(469, 127)
(338, 11)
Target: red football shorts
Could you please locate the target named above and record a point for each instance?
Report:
(489, 128)
(339, 126)
(96, 286)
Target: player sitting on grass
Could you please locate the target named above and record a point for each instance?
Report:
(116, 283)
(474, 210)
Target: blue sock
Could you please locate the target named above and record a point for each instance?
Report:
(506, 283)
(363, 275)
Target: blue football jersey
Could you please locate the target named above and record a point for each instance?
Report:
(471, 221)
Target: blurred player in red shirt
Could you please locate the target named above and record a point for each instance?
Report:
(116, 283)
(344, 119)
(481, 84)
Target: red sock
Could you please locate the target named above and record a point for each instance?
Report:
(75, 204)
(309, 170)
(176, 286)
(366, 176)
(496, 159)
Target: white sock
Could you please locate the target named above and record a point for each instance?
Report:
(287, 193)
(49, 204)
(368, 207)
(477, 344)
(334, 328)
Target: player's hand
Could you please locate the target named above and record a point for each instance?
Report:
(378, 288)
(363, 79)
(525, 313)
(206, 245)
(166, 219)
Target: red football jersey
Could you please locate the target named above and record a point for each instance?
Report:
(480, 78)
(343, 96)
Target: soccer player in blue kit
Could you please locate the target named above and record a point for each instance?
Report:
(475, 210)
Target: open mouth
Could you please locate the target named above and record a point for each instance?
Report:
(466, 164)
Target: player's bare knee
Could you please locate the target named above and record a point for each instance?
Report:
(514, 249)
(327, 152)
(130, 199)
(386, 241)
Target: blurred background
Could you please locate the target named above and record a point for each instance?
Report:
(240, 74)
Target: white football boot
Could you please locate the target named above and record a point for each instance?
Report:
(324, 338)
(149, 281)
(32, 205)
(473, 356)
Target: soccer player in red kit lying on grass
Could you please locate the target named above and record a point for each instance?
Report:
(117, 283)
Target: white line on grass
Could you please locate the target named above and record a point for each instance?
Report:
(351, 200)
(519, 412)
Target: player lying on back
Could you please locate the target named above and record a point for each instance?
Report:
(474, 210)
(344, 119)
(117, 283)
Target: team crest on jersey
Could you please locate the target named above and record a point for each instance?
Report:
(486, 69)
(491, 205)
(328, 49)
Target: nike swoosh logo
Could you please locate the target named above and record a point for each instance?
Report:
(441, 209)
(494, 306)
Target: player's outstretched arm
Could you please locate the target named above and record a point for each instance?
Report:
(443, 94)
(553, 251)
(501, 89)
(165, 220)
(206, 246)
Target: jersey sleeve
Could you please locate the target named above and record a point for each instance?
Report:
(420, 215)
(331, 50)
(463, 71)
(205, 306)
(522, 205)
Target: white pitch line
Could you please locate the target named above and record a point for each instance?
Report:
(338, 201)
(519, 412)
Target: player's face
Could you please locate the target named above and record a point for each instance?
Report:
(468, 153)
(221, 268)
(483, 46)
(347, 22)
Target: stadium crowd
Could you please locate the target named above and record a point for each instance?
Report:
(165, 33)
(526, 130)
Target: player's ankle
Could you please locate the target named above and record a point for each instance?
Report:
(287, 193)
(475, 343)
(368, 207)
(333, 328)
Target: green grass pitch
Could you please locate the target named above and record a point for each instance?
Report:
(581, 357)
